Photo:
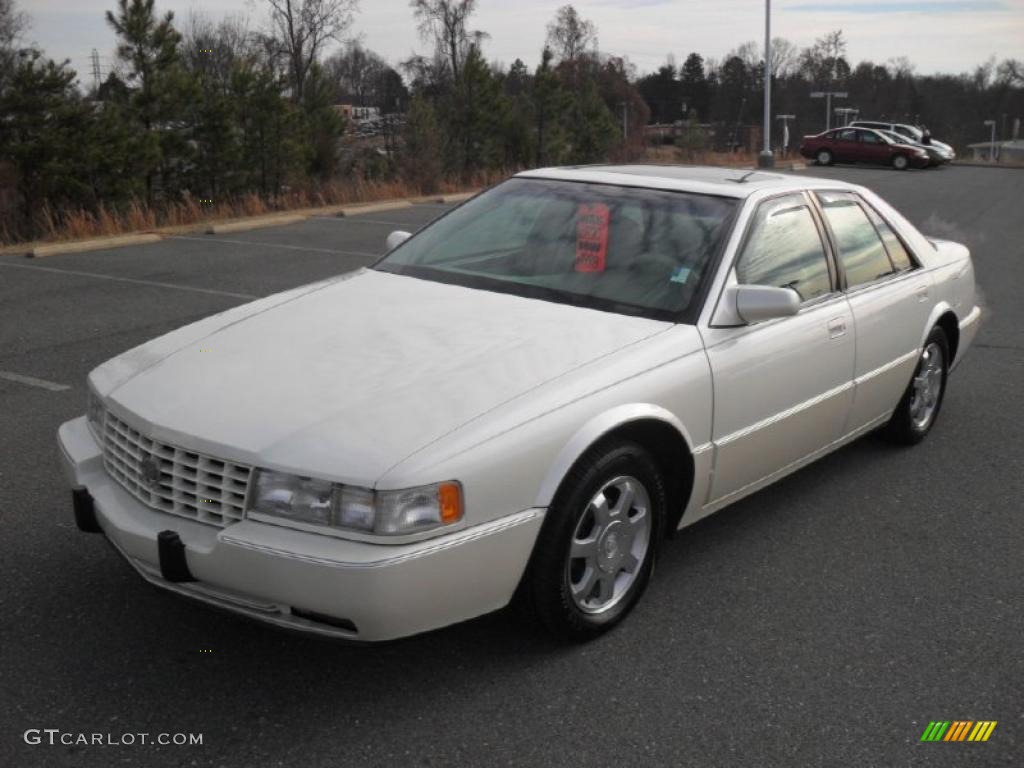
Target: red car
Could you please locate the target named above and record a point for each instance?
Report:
(861, 145)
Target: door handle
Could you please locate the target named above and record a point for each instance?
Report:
(836, 327)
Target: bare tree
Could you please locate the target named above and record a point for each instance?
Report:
(303, 28)
(570, 36)
(12, 23)
(1010, 72)
(444, 22)
(749, 53)
(216, 48)
(784, 57)
(825, 62)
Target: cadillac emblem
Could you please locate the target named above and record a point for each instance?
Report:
(149, 469)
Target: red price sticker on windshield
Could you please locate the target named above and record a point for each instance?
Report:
(591, 237)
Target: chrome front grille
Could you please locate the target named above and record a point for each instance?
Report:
(174, 480)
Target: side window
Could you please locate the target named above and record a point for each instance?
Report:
(861, 251)
(847, 135)
(784, 249)
(898, 253)
(869, 137)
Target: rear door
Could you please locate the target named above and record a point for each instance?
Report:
(889, 297)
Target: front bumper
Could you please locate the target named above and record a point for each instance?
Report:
(309, 582)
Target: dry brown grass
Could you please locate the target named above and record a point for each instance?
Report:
(138, 217)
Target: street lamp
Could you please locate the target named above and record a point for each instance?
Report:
(828, 95)
(992, 142)
(766, 159)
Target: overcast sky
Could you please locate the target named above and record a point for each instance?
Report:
(941, 36)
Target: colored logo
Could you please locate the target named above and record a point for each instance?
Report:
(958, 730)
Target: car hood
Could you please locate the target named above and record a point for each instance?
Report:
(346, 378)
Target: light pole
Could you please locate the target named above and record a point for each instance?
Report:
(992, 141)
(766, 159)
(827, 95)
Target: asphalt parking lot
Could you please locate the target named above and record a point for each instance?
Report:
(821, 622)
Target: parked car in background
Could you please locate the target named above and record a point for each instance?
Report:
(936, 156)
(861, 145)
(520, 400)
(914, 133)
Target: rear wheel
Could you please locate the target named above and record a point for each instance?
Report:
(919, 407)
(596, 550)
(824, 157)
(900, 162)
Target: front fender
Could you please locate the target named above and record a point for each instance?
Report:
(594, 430)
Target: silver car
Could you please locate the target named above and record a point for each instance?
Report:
(520, 401)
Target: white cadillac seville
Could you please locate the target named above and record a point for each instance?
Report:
(519, 401)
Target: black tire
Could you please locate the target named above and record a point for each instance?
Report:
(900, 162)
(824, 157)
(906, 428)
(546, 591)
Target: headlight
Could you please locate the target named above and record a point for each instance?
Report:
(388, 513)
(95, 412)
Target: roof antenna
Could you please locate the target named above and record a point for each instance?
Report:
(744, 177)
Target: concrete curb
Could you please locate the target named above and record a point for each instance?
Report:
(360, 208)
(458, 198)
(244, 225)
(94, 244)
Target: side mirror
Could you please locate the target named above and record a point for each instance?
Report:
(395, 239)
(755, 303)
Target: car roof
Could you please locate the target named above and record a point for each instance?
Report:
(724, 182)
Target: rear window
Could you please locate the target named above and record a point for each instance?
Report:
(621, 249)
(861, 251)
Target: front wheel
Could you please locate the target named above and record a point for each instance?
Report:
(824, 157)
(900, 162)
(596, 550)
(919, 407)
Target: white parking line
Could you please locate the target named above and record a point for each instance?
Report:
(33, 382)
(133, 281)
(217, 239)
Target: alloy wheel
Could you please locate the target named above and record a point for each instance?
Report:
(609, 545)
(927, 386)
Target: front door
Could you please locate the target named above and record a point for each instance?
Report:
(782, 388)
(873, 148)
(847, 146)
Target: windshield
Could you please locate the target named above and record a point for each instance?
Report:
(620, 249)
